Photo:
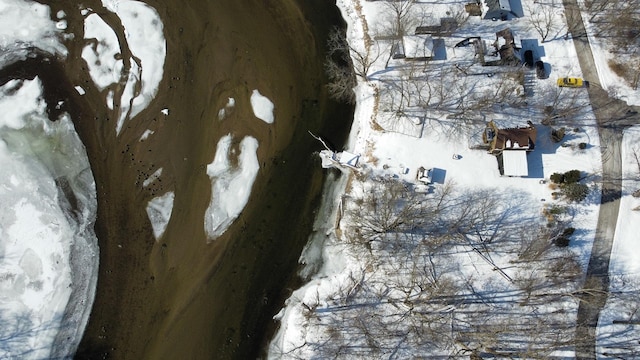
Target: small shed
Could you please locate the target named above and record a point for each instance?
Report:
(417, 47)
(498, 10)
(515, 163)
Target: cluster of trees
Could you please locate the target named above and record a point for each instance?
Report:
(569, 185)
(618, 21)
(452, 273)
(448, 91)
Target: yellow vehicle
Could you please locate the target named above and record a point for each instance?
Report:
(570, 82)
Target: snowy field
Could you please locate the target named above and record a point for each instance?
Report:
(365, 297)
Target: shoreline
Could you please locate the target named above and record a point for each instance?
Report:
(315, 252)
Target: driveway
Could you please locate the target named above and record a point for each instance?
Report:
(612, 116)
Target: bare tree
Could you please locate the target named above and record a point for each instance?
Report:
(416, 295)
(400, 11)
(562, 106)
(635, 151)
(598, 7)
(339, 67)
(341, 52)
(542, 19)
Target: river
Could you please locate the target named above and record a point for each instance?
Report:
(181, 297)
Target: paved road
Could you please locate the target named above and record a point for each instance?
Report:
(612, 116)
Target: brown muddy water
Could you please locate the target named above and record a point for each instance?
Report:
(181, 298)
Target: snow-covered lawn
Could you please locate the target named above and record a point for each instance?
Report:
(372, 295)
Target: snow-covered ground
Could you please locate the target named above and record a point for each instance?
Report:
(49, 207)
(141, 72)
(25, 24)
(618, 330)
(616, 86)
(394, 147)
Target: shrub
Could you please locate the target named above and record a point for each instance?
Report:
(557, 178)
(561, 241)
(617, 68)
(556, 210)
(557, 135)
(582, 146)
(549, 110)
(636, 193)
(572, 176)
(575, 191)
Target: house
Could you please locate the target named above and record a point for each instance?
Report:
(520, 138)
(415, 47)
(497, 10)
(511, 146)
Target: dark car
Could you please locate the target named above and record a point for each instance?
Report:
(541, 73)
(528, 58)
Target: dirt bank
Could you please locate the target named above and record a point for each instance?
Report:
(179, 297)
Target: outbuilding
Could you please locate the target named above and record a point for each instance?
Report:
(417, 47)
(498, 10)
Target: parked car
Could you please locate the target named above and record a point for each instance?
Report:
(541, 73)
(570, 82)
(528, 58)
